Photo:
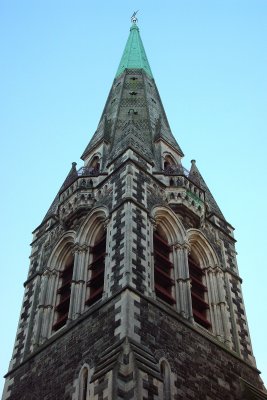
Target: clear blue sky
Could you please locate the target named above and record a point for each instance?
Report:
(58, 60)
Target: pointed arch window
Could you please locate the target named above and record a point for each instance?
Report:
(166, 378)
(83, 384)
(200, 306)
(169, 164)
(94, 166)
(163, 269)
(63, 294)
(96, 270)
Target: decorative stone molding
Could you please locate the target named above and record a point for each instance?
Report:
(79, 248)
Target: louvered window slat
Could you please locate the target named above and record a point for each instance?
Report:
(97, 272)
(163, 270)
(198, 294)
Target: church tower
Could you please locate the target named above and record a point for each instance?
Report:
(133, 290)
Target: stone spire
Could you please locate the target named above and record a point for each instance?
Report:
(196, 177)
(71, 177)
(134, 55)
(133, 115)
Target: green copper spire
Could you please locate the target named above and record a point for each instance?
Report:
(134, 55)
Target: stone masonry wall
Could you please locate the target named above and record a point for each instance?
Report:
(203, 369)
(51, 372)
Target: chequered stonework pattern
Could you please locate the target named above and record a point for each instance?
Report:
(117, 250)
(128, 316)
(141, 254)
(240, 318)
(27, 313)
(189, 355)
(125, 337)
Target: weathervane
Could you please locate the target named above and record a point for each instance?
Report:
(133, 17)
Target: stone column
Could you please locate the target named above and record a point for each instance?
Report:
(78, 285)
(50, 303)
(108, 230)
(46, 305)
(182, 279)
(212, 300)
(153, 228)
(217, 302)
(40, 313)
(222, 304)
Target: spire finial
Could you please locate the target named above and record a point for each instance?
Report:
(134, 19)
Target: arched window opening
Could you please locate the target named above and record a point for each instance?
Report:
(169, 164)
(166, 378)
(163, 269)
(94, 167)
(83, 387)
(198, 294)
(97, 270)
(63, 294)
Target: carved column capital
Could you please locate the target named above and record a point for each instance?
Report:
(178, 246)
(50, 272)
(182, 246)
(218, 270)
(209, 270)
(80, 248)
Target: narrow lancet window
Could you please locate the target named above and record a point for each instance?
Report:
(94, 165)
(169, 164)
(97, 270)
(63, 294)
(200, 305)
(163, 269)
(83, 389)
(166, 378)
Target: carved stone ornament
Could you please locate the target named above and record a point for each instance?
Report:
(80, 248)
(182, 246)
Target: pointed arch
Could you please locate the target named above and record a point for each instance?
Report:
(94, 223)
(54, 299)
(93, 234)
(169, 222)
(168, 161)
(202, 249)
(94, 163)
(82, 383)
(168, 232)
(58, 285)
(206, 284)
(61, 250)
(165, 371)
